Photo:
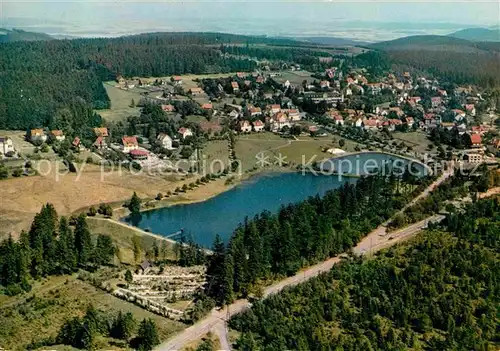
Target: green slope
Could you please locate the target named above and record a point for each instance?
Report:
(477, 34)
(7, 36)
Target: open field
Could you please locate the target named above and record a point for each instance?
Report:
(417, 140)
(188, 80)
(295, 77)
(61, 298)
(23, 197)
(213, 152)
(120, 103)
(249, 146)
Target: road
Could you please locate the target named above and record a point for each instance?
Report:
(373, 242)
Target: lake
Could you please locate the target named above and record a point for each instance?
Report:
(222, 213)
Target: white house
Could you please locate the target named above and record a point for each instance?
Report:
(165, 141)
(255, 111)
(6, 145)
(279, 121)
(258, 126)
(234, 114)
(38, 135)
(273, 108)
(338, 120)
(129, 143)
(185, 132)
(294, 114)
(245, 127)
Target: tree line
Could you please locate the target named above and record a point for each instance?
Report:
(84, 332)
(51, 247)
(276, 245)
(439, 292)
(44, 79)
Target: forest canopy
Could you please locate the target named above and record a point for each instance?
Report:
(439, 292)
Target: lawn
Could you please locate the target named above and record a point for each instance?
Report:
(249, 148)
(295, 77)
(214, 151)
(417, 140)
(120, 103)
(49, 304)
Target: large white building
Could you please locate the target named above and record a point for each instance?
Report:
(6, 145)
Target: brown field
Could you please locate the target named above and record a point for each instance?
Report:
(58, 299)
(23, 197)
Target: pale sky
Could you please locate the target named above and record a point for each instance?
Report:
(278, 17)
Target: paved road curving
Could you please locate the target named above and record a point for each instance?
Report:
(215, 321)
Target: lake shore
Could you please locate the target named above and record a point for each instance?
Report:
(201, 193)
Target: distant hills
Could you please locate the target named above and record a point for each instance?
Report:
(7, 36)
(478, 34)
(457, 60)
(331, 41)
(427, 42)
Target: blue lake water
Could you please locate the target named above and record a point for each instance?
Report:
(222, 213)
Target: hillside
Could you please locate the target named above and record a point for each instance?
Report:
(457, 60)
(440, 291)
(7, 36)
(331, 41)
(428, 43)
(477, 34)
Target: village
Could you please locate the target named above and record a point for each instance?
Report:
(417, 116)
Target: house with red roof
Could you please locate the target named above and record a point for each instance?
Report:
(101, 131)
(273, 109)
(471, 109)
(436, 101)
(371, 124)
(100, 142)
(258, 126)
(185, 132)
(196, 91)
(255, 111)
(235, 86)
(177, 80)
(57, 134)
(129, 143)
(459, 114)
(168, 108)
(207, 106)
(293, 113)
(138, 154)
(476, 141)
